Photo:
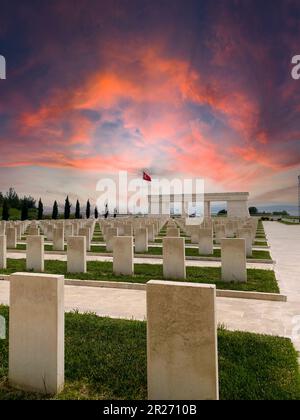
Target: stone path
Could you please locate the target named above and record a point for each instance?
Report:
(115, 303)
(275, 318)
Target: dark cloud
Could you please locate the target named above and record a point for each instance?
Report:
(191, 87)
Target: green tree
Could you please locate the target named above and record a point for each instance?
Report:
(55, 211)
(253, 210)
(280, 213)
(67, 209)
(31, 203)
(24, 210)
(222, 212)
(88, 209)
(12, 198)
(5, 210)
(40, 210)
(96, 213)
(77, 210)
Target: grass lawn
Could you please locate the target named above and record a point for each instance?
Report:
(159, 240)
(112, 363)
(258, 280)
(257, 243)
(189, 252)
(193, 252)
(99, 239)
(22, 247)
(182, 235)
(288, 223)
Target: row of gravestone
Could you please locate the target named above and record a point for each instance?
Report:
(182, 356)
(233, 256)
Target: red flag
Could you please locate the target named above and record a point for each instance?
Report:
(146, 177)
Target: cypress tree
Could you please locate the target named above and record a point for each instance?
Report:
(55, 211)
(67, 209)
(88, 209)
(96, 213)
(5, 210)
(24, 210)
(40, 210)
(77, 211)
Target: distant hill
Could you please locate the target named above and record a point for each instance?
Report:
(292, 210)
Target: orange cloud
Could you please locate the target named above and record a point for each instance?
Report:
(151, 92)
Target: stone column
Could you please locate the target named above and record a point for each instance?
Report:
(3, 265)
(165, 205)
(233, 253)
(123, 255)
(238, 208)
(36, 332)
(207, 209)
(182, 351)
(184, 209)
(154, 205)
(35, 253)
(174, 258)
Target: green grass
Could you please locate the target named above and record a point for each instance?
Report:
(193, 252)
(288, 223)
(258, 280)
(190, 252)
(159, 240)
(257, 367)
(22, 247)
(182, 235)
(112, 363)
(98, 239)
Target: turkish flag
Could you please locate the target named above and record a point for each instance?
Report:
(146, 177)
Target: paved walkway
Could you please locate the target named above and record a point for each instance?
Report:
(275, 318)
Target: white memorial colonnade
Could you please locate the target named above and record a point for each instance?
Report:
(237, 203)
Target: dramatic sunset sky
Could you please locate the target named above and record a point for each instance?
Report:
(179, 87)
